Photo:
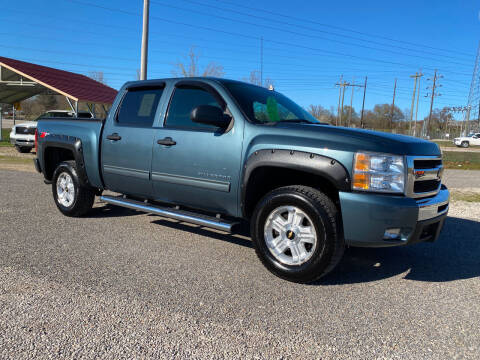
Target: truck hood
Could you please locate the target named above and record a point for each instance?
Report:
(351, 139)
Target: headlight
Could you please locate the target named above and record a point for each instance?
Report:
(378, 172)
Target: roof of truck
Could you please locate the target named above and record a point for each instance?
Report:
(25, 80)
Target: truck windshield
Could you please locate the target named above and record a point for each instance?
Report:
(266, 106)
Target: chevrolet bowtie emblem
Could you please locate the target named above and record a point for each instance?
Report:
(419, 174)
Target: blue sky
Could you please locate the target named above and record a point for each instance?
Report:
(307, 45)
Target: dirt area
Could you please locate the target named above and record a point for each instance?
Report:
(11, 159)
(12, 152)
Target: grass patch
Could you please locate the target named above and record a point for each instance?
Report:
(444, 143)
(465, 196)
(5, 138)
(14, 160)
(461, 160)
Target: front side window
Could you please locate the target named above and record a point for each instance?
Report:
(184, 100)
(265, 106)
(138, 106)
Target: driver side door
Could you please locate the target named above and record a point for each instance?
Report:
(194, 164)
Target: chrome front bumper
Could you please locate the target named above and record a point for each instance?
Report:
(433, 207)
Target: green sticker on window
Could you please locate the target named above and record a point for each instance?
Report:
(272, 109)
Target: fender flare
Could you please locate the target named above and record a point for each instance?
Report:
(71, 143)
(324, 166)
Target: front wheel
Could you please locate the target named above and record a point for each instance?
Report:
(71, 198)
(297, 234)
(465, 144)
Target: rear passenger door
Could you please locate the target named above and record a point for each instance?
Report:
(127, 142)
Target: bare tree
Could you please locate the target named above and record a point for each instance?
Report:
(322, 114)
(97, 76)
(191, 67)
(254, 78)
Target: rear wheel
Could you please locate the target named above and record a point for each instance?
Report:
(71, 198)
(296, 233)
(465, 144)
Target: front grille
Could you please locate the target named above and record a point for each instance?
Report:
(424, 176)
(23, 130)
(426, 186)
(427, 163)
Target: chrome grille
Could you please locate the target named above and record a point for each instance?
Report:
(424, 176)
(23, 130)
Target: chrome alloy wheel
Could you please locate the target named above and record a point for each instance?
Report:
(290, 235)
(65, 189)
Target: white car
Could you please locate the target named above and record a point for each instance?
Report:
(466, 141)
(23, 134)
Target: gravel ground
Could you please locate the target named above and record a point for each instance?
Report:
(461, 179)
(120, 284)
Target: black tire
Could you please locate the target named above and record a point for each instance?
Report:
(327, 223)
(83, 196)
(465, 144)
(23, 149)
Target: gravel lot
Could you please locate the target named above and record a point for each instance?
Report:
(121, 284)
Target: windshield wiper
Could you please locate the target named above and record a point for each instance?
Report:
(303, 121)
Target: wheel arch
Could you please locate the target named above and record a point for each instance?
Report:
(266, 170)
(60, 149)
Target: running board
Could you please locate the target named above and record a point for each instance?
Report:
(172, 213)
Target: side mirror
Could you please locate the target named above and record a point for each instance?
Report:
(210, 115)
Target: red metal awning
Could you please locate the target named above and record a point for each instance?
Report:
(77, 87)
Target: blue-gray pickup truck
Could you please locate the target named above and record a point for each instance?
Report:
(217, 152)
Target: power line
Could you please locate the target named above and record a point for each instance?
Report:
(210, 14)
(250, 15)
(197, 26)
(243, 6)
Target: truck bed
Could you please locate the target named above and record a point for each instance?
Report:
(88, 131)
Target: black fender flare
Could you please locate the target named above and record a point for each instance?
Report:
(71, 143)
(329, 168)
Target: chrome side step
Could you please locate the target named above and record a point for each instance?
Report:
(172, 213)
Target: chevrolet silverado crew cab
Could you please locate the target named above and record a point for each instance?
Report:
(214, 152)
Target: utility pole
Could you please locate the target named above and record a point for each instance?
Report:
(471, 95)
(338, 107)
(393, 104)
(416, 111)
(478, 120)
(144, 55)
(261, 61)
(351, 104)
(434, 86)
(362, 125)
(343, 97)
(416, 76)
(342, 84)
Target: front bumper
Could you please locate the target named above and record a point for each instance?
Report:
(22, 142)
(366, 217)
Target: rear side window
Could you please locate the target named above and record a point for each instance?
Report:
(138, 107)
(184, 100)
